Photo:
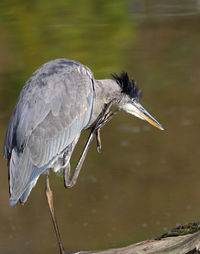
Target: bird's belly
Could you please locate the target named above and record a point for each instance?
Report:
(61, 161)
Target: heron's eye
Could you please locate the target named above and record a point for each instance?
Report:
(133, 99)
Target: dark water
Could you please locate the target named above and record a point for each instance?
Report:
(145, 181)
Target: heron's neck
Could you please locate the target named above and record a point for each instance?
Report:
(105, 90)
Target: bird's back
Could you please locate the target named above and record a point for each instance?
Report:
(53, 107)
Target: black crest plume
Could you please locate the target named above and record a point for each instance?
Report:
(128, 86)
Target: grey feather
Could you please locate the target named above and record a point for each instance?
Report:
(58, 101)
(46, 121)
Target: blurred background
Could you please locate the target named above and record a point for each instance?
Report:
(145, 181)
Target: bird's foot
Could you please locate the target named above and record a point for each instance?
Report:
(105, 116)
(98, 137)
(98, 127)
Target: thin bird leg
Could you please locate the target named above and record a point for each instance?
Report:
(70, 181)
(49, 196)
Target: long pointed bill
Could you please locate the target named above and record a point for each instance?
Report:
(137, 110)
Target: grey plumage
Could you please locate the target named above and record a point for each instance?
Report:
(44, 123)
(57, 102)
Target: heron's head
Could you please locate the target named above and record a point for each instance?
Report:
(131, 97)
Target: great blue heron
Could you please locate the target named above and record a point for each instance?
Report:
(58, 101)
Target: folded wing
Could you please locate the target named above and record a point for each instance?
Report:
(52, 109)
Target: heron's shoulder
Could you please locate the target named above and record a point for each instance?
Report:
(62, 73)
(58, 69)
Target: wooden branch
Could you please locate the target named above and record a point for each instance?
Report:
(185, 244)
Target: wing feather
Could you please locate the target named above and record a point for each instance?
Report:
(50, 113)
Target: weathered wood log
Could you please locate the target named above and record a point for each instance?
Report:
(166, 244)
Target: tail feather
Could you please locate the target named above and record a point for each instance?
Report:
(25, 195)
(23, 176)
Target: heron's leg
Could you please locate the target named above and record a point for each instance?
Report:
(49, 196)
(67, 174)
(103, 118)
(71, 180)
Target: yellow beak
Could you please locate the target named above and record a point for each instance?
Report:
(136, 109)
